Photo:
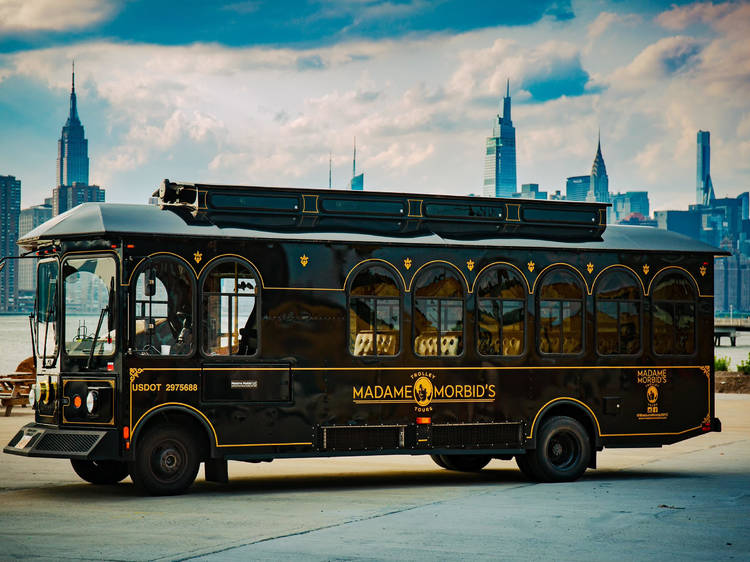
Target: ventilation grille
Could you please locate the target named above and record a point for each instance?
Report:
(361, 438)
(476, 436)
(16, 439)
(67, 442)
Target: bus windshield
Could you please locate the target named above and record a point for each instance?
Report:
(46, 313)
(89, 290)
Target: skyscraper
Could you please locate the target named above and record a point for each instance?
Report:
(599, 185)
(73, 163)
(357, 182)
(576, 188)
(10, 209)
(28, 220)
(72, 148)
(500, 155)
(704, 189)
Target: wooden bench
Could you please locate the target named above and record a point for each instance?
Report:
(14, 390)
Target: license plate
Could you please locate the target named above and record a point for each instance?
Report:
(24, 441)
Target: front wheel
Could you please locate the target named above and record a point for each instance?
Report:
(166, 461)
(465, 463)
(100, 472)
(563, 451)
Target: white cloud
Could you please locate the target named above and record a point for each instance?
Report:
(420, 109)
(53, 15)
(680, 17)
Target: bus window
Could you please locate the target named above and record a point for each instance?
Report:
(673, 315)
(89, 292)
(438, 313)
(164, 308)
(618, 314)
(230, 319)
(560, 313)
(501, 297)
(374, 306)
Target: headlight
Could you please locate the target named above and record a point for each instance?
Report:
(92, 401)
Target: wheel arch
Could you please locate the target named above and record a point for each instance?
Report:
(183, 415)
(572, 408)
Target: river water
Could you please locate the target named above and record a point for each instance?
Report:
(15, 344)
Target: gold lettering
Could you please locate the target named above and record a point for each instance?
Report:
(357, 393)
(491, 391)
(368, 392)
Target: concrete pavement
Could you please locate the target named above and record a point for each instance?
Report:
(689, 501)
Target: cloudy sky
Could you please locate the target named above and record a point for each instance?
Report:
(261, 91)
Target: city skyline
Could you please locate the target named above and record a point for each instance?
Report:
(418, 95)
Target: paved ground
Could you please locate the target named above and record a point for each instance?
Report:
(689, 501)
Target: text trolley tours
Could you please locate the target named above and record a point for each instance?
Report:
(251, 323)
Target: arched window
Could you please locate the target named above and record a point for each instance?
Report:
(230, 311)
(561, 313)
(374, 313)
(501, 296)
(673, 314)
(438, 312)
(163, 308)
(618, 314)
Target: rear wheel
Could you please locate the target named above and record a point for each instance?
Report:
(464, 463)
(525, 466)
(438, 461)
(100, 472)
(166, 461)
(563, 451)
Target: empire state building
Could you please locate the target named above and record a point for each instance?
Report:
(73, 163)
(72, 148)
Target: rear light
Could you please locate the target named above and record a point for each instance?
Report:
(422, 421)
(77, 402)
(110, 365)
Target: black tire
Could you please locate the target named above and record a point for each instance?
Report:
(166, 461)
(525, 466)
(563, 451)
(465, 463)
(438, 460)
(100, 472)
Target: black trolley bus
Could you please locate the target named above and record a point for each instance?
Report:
(251, 323)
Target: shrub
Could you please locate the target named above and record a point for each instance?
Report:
(722, 363)
(744, 366)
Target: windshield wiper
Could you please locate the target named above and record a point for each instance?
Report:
(96, 335)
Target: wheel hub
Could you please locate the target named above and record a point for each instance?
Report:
(169, 461)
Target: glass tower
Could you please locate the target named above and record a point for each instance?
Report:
(704, 189)
(500, 155)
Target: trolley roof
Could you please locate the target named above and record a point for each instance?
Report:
(100, 220)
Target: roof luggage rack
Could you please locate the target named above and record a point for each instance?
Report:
(395, 214)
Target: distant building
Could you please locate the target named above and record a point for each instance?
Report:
(599, 183)
(65, 197)
(29, 219)
(10, 209)
(682, 222)
(72, 148)
(637, 219)
(625, 204)
(704, 189)
(577, 187)
(73, 163)
(357, 183)
(557, 196)
(530, 191)
(500, 155)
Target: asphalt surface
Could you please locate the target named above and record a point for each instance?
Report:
(689, 501)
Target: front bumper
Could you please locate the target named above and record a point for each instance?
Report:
(34, 440)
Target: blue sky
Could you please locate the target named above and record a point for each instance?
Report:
(261, 92)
